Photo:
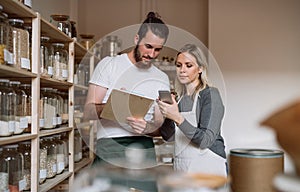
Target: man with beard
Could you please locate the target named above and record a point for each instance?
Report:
(133, 72)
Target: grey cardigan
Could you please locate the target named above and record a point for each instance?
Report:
(210, 113)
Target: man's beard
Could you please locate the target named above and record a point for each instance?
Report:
(139, 61)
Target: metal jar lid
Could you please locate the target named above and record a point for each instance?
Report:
(256, 153)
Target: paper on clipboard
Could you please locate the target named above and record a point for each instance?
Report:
(122, 104)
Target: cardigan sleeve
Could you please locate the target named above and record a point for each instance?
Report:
(210, 112)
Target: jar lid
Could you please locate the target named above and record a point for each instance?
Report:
(10, 146)
(256, 153)
(16, 20)
(45, 38)
(58, 17)
(25, 85)
(15, 82)
(4, 80)
(58, 44)
(87, 36)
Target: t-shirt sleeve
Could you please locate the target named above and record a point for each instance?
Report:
(101, 73)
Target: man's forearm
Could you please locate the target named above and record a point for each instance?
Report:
(92, 111)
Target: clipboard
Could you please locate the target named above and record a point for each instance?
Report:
(122, 104)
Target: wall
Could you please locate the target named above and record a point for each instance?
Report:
(101, 17)
(256, 44)
(49, 7)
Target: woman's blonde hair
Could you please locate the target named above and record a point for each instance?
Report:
(201, 60)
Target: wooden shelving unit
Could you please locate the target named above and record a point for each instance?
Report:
(41, 27)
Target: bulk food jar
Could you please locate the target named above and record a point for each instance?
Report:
(7, 108)
(59, 107)
(60, 62)
(60, 154)
(62, 22)
(28, 101)
(21, 108)
(65, 139)
(51, 157)
(4, 36)
(77, 146)
(3, 172)
(15, 161)
(46, 62)
(49, 108)
(25, 150)
(21, 48)
(43, 161)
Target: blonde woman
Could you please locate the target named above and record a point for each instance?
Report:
(194, 122)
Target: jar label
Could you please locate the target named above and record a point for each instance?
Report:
(50, 70)
(25, 63)
(28, 3)
(22, 184)
(43, 173)
(23, 122)
(4, 131)
(59, 120)
(54, 121)
(42, 122)
(11, 126)
(65, 73)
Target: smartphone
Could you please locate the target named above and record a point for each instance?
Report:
(165, 96)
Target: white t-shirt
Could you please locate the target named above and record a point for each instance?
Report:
(119, 73)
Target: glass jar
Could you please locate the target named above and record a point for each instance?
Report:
(65, 107)
(65, 139)
(15, 161)
(81, 74)
(21, 48)
(49, 108)
(21, 108)
(73, 29)
(51, 157)
(27, 3)
(62, 22)
(111, 46)
(27, 109)
(43, 161)
(46, 63)
(59, 107)
(25, 150)
(3, 172)
(4, 36)
(87, 40)
(60, 154)
(60, 62)
(77, 146)
(7, 108)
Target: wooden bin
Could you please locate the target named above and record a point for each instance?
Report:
(254, 169)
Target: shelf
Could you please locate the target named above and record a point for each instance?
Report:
(8, 72)
(80, 87)
(50, 183)
(84, 162)
(81, 51)
(53, 83)
(53, 131)
(16, 9)
(17, 138)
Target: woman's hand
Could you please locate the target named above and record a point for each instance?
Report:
(170, 111)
